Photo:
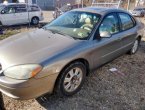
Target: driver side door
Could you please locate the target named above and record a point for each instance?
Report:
(9, 16)
(108, 46)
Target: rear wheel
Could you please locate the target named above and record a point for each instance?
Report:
(71, 79)
(35, 21)
(135, 47)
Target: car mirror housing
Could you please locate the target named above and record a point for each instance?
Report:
(105, 34)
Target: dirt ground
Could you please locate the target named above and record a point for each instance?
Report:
(102, 90)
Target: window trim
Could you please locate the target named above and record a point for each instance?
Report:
(132, 19)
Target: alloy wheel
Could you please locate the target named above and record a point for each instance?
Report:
(73, 79)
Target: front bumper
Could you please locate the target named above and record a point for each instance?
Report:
(27, 89)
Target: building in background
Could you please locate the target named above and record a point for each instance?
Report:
(51, 4)
(44, 4)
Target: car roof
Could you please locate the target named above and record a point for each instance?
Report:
(100, 10)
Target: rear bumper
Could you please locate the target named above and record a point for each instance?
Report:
(27, 89)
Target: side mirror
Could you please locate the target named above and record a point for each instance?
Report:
(105, 34)
(2, 12)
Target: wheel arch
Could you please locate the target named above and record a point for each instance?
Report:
(82, 60)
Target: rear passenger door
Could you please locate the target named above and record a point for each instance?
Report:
(128, 30)
(22, 14)
(107, 48)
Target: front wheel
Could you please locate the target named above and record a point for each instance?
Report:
(71, 79)
(135, 47)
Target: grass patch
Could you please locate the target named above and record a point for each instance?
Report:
(8, 34)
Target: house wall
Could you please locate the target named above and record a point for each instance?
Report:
(45, 4)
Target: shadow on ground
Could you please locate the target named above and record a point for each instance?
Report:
(41, 24)
(1, 102)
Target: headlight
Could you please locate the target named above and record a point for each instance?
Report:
(23, 71)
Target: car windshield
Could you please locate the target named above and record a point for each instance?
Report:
(75, 24)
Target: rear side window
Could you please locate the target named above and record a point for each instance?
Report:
(21, 8)
(34, 8)
(126, 21)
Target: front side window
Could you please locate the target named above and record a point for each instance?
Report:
(9, 10)
(126, 21)
(109, 25)
(75, 24)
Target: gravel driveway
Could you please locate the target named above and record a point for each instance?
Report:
(102, 90)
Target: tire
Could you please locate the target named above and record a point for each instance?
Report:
(135, 47)
(65, 86)
(35, 21)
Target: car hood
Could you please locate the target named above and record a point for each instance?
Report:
(32, 47)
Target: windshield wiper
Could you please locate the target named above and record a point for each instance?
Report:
(61, 33)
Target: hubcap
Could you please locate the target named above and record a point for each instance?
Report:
(135, 46)
(73, 79)
(35, 21)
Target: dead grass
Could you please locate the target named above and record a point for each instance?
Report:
(8, 34)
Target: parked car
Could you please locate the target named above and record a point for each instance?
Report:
(138, 11)
(59, 56)
(65, 8)
(17, 13)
